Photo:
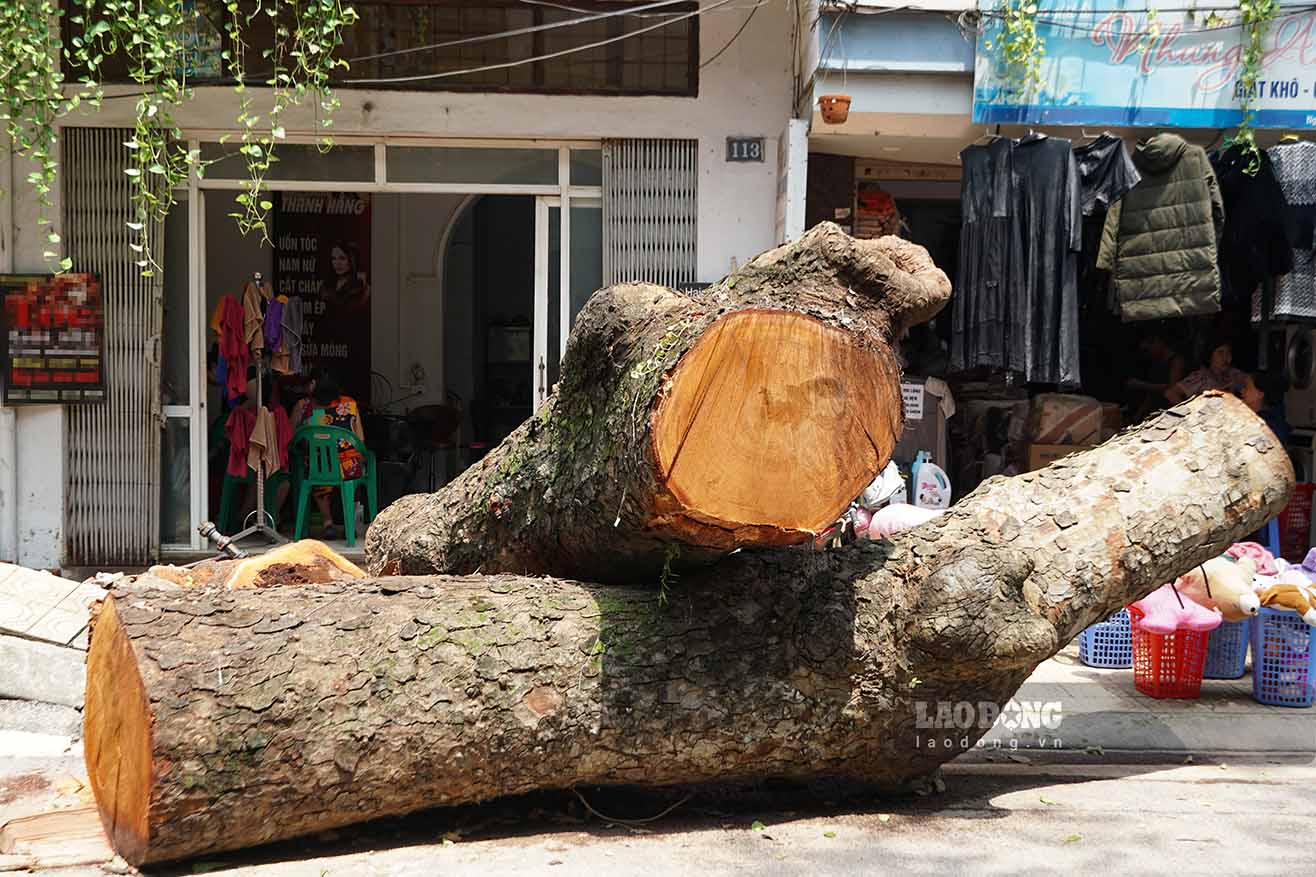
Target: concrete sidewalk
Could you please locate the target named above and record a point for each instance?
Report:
(1102, 709)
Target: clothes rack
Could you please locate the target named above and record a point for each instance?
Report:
(264, 523)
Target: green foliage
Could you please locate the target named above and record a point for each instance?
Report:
(1020, 46)
(1257, 16)
(299, 63)
(151, 35)
(32, 95)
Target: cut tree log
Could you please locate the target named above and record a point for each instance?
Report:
(222, 719)
(304, 562)
(687, 425)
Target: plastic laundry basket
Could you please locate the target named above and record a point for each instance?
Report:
(1226, 650)
(1107, 643)
(1167, 665)
(1283, 659)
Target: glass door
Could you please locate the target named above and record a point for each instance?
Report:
(568, 255)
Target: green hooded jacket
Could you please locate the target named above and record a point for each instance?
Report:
(1159, 241)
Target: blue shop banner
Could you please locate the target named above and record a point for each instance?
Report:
(1112, 62)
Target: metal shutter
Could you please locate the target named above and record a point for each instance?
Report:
(112, 500)
(650, 209)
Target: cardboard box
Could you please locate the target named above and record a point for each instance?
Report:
(1062, 419)
(1112, 420)
(1040, 456)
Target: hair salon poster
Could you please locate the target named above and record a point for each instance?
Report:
(322, 254)
(52, 338)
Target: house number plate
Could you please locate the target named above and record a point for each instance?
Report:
(744, 149)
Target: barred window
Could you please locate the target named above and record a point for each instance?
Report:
(654, 52)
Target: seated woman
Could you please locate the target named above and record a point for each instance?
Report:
(1263, 392)
(1217, 373)
(337, 409)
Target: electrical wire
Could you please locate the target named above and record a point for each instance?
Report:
(552, 5)
(734, 36)
(426, 77)
(521, 31)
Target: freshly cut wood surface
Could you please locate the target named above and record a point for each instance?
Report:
(586, 489)
(55, 839)
(305, 562)
(286, 711)
(771, 417)
(117, 735)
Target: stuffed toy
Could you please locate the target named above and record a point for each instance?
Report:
(898, 518)
(1263, 559)
(1163, 611)
(1222, 584)
(1301, 598)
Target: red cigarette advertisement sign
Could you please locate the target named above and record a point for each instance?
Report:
(52, 340)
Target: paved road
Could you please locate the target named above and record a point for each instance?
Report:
(1250, 815)
(993, 819)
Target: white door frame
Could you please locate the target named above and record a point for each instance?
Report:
(559, 195)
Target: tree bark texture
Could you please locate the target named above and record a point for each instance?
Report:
(689, 424)
(223, 719)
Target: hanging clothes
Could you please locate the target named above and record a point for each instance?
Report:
(292, 333)
(263, 447)
(1048, 219)
(1016, 307)
(253, 299)
(237, 428)
(233, 346)
(1159, 240)
(980, 324)
(274, 340)
(1255, 243)
(273, 324)
(1105, 173)
(282, 432)
(1294, 166)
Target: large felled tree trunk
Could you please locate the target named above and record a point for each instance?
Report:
(686, 425)
(217, 720)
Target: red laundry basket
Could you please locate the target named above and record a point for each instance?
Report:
(1295, 524)
(1167, 665)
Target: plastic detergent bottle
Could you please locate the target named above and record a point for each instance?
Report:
(919, 459)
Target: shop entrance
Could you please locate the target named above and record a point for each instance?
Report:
(440, 308)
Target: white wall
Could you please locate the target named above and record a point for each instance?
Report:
(406, 313)
(746, 92)
(32, 473)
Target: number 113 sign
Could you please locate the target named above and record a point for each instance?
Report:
(744, 149)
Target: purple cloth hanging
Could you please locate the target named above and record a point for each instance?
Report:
(273, 325)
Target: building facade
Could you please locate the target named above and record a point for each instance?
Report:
(494, 205)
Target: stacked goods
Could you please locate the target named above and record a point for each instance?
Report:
(1060, 424)
(876, 213)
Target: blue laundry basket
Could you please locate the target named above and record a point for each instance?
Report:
(1283, 659)
(1107, 643)
(1226, 650)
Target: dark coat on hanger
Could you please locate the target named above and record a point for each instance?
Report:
(1159, 241)
(1255, 244)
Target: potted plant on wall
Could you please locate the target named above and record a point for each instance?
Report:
(835, 108)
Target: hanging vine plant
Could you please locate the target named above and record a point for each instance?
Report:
(1256, 18)
(1021, 48)
(32, 96)
(151, 36)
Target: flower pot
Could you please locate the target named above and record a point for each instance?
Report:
(835, 108)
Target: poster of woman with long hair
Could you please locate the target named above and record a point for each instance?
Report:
(322, 244)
